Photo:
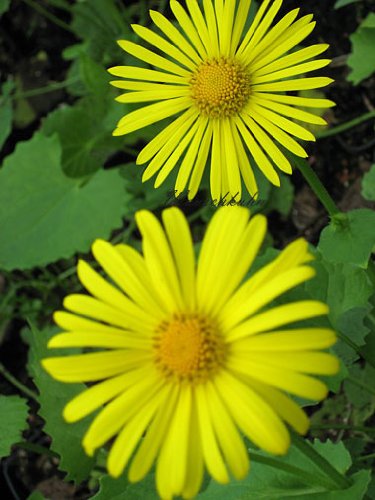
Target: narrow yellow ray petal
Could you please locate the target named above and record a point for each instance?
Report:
(119, 266)
(287, 340)
(201, 162)
(244, 163)
(176, 155)
(287, 380)
(252, 414)
(211, 451)
(191, 157)
(120, 410)
(195, 467)
(97, 395)
(200, 25)
(169, 147)
(226, 35)
(306, 102)
(278, 316)
(230, 441)
(219, 14)
(133, 72)
(188, 27)
(216, 162)
(181, 242)
(252, 52)
(280, 135)
(113, 338)
(94, 366)
(239, 24)
(281, 122)
(284, 406)
(299, 69)
(257, 19)
(72, 322)
(159, 260)
(145, 86)
(259, 156)
(174, 35)
(161, 44)
(151, 443)
(151, 58)
(152, 95)
(171, 473)
(151, 114)
(290, 112)
(231, 161)
(210, 17)
(268, 144)
(162, 137)
(130, 435)
(290, 60)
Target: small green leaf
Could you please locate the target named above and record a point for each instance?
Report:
(4, 6)
(121, 489)
(53, 396)
(349, 238)
(343, 3)
(368, 185)
(13, 415)
(6, 111)
(45, 216)
(362, 59)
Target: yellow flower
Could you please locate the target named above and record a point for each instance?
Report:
(192, 359)
(229, 90)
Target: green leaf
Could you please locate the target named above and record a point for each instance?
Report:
(368, 185)
(45, 216)
(281, 198)
(13, 415)
(265, 482)
(121, 489)
(4, 6)
(6, 111)
(362, 59)
(53, 396)
(343, 3)
(350, 238)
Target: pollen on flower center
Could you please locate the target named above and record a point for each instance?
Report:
(189, 346)
(220, 87)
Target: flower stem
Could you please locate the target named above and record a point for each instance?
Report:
(317, 186)
(304, 447)
(16, 383)
(346, 126)
(51, 17)
(304, 476)
(44, 90)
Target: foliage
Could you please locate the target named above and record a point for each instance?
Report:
(361, 61)
(13, 411)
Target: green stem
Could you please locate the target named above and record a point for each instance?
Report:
(346, 126)
(304, 447)
(51, 17)
(363, 458)
(342, 427)
(16, 383)
(304, 476)
(317, 186)
(44, 90)
(361, 384)
(36, 448)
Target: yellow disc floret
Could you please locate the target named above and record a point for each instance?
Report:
(190, 347)
(220, 87)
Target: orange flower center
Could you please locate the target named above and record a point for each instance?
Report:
(190, 347)
(220, 87)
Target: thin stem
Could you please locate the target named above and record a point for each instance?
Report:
(51, 17)
(346, 126)
(363, 458)
(342, 427)
(16, 383)
(44, 90)
(361, 384)
(317, 186)
(304, 447)
(304, 476)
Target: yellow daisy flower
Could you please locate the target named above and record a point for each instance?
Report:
(191, 359)
(228, 88)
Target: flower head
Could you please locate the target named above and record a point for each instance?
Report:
(228, 87)
(190, 357)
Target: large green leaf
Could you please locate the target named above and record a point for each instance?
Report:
(53, 396)
(265, 482)
(121, 489)
(349, 238)
(13, 415)
(45, 216)
(362, 59)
